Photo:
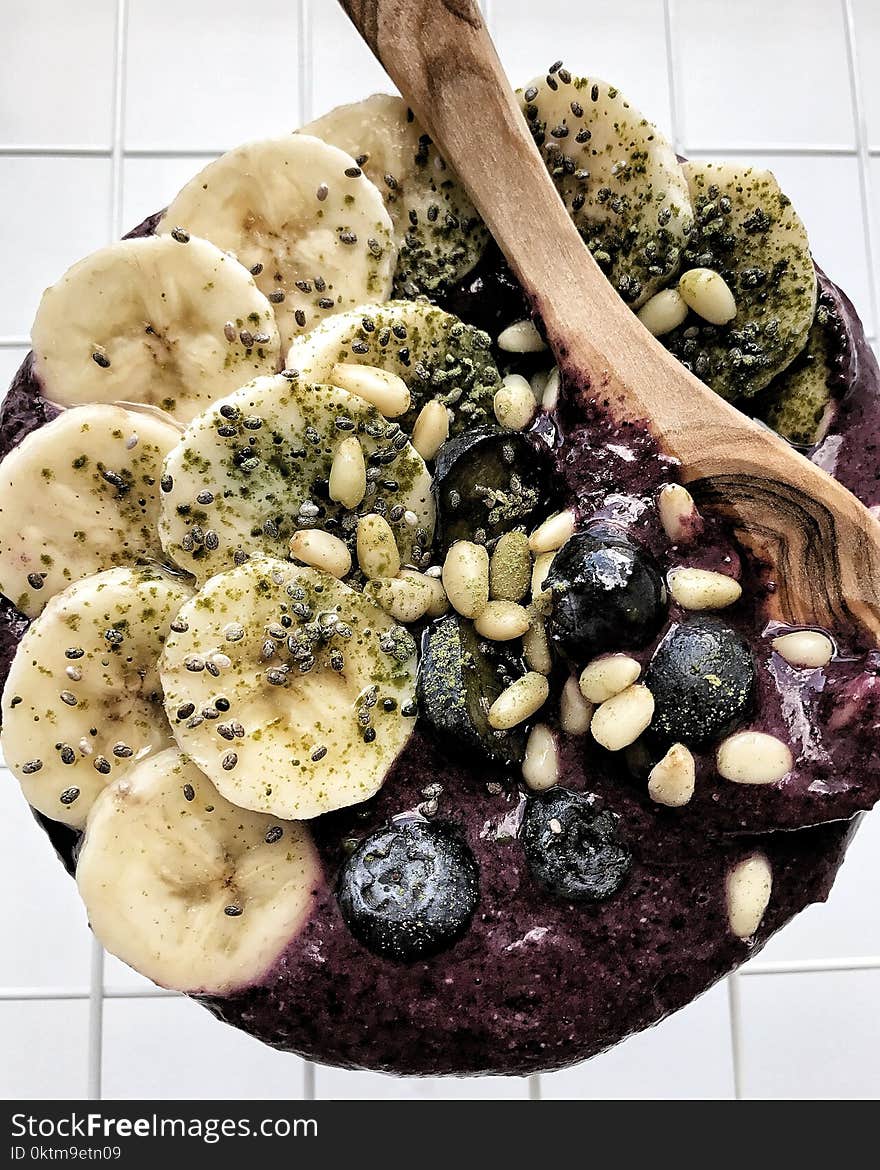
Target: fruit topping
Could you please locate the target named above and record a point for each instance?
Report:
(190, 890)
(607, 594)
(574, 847)
(702, 677)
(409, 890)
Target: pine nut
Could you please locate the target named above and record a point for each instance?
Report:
(521, 337)
(550, 397)
(348, 473)
(620, 721)
(403, 598)
(540, 766)
(665, 311)
(804, 648)
(514, 403)
(519, 701)
(510, 567)
(387, 392)
(431, 429)
(749, 885)
(753, 757)
(671, 781)
(501, 621)
(321, 550)
(678, 513)
(377, 552)
(702, 588)
(439, 603)
(707, 292)
(605, 677)
(553, 533)
(536, 645)
(466, 577)
(537, 382)
(542, 598)
(575, 713)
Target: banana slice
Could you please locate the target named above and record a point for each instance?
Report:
(435, 353)
(83, 699)
(315, 687)
(254, 468)
(194, 893)
(748, 231)
(78, 495)
(303, 217)
(173, 322)
(438, 232)
(618, 177)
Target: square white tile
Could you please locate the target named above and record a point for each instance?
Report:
(845, 926)
(866, 15)
(172, 1049)
(338, 1084)
(342, 67)
(45, 1049)
(687, 1057)
(621, 43)
(47, 940)
(753, 73)
(53, 211)
(210, 74)
(813, 1037)
(56, 85)
(149, 184)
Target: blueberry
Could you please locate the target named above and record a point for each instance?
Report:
(702, 677)
(574, 846)
(608, 594)
(409, 890)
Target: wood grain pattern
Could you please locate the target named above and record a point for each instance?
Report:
(822, 544)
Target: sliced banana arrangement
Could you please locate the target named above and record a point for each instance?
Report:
(190, 890)
(292, 692)
(302, 217)
(618, 177)
(438, 357)
(257, 467)
(439, 235)
(749, 238)
(91, 501)
(83, 700)
(167, 320)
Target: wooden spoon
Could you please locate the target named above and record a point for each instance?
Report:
(822, 545)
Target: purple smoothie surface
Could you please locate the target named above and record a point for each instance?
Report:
(538, 983)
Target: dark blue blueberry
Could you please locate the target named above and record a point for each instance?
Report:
(409, 890)
(702, 677)
(608, 594)
(574, 847)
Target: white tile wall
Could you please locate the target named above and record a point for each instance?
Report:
(105, 109)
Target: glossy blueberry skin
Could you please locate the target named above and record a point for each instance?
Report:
(409, 890)
(608, 594)
(703, 680)
(574, 847)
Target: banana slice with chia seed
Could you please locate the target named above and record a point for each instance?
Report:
(78, 495)
(169, 321)
(308, 689)
(303, 217)
(196, 894)
(436, 354)
(255, 468)
(617, 175)
(748, 231)
(438, 231)
(83, 699)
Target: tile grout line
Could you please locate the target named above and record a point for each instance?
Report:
(858, 112)
(671, 74)
(96, 1023)
(734, 1007)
